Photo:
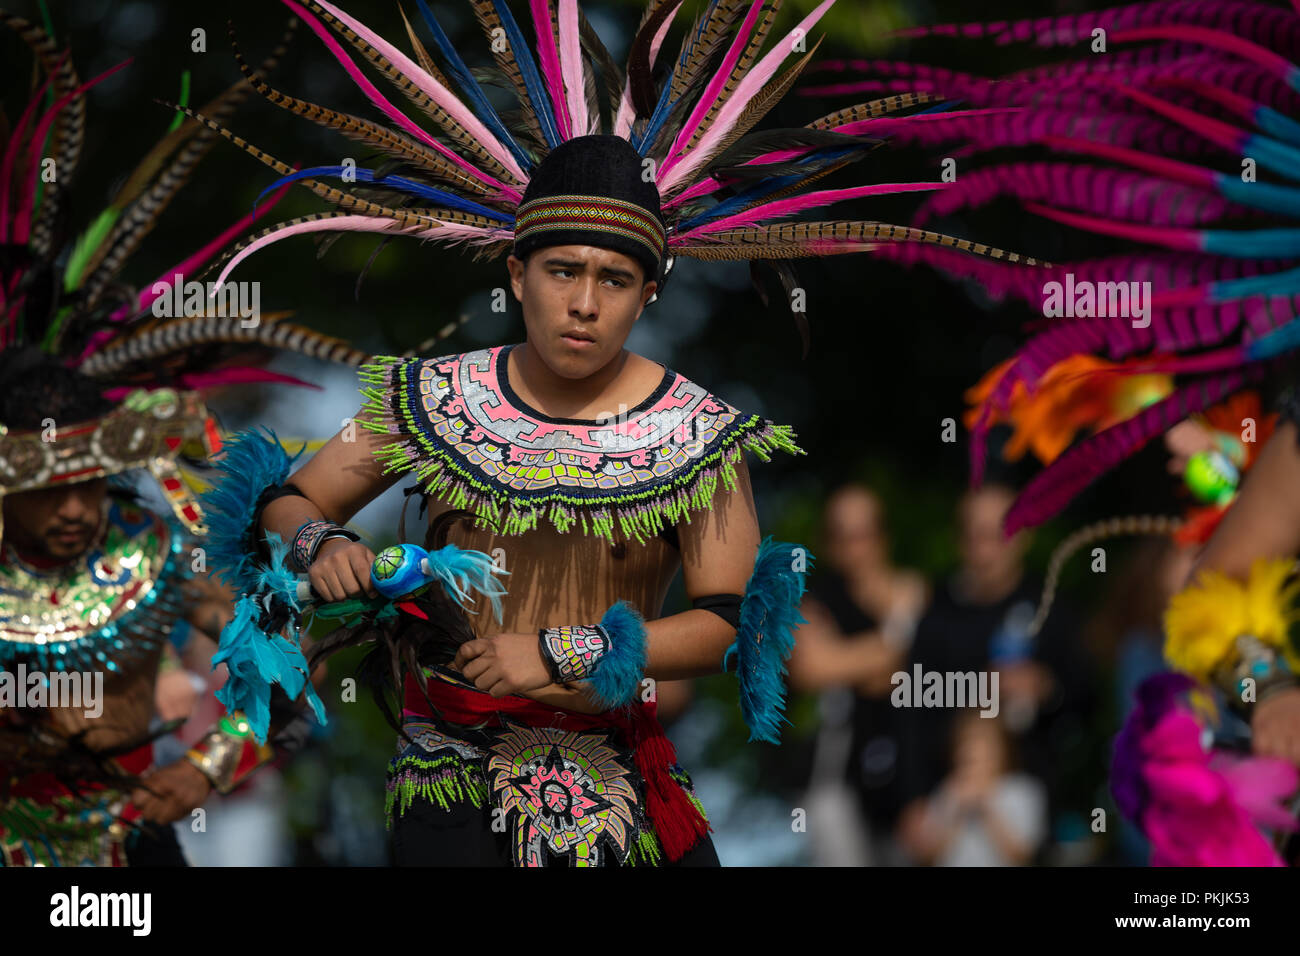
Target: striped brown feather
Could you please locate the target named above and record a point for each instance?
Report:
(422, 100)
(492, 28)
(747, 56)
(794, 239)
(700, 52)
(359, 130)
(873, 108)
(69, 126)
(182, 334)
(758, 107)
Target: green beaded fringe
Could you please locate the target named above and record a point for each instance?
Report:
(441, 780)
(639, 516)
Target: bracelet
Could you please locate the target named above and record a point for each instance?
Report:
(573, 651)
(610, 655)
(308, 539)
(228, 753)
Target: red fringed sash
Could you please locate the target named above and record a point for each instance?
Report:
(676, 821)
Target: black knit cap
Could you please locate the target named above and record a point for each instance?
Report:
(589, 191)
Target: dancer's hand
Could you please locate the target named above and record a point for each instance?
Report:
(342, 570)
(1275, 726)
(177, 789)
(503, 664)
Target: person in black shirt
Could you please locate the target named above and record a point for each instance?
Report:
(861, 611)
(978, 622)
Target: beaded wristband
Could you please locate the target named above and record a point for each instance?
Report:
(573, 651)
(308, 539)
(1259, 662)
(229, 753)
(609, 656)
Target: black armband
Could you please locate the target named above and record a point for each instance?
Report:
(726, 606)
(273, 493)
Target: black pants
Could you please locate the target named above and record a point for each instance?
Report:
(428, 835)
(154, 844)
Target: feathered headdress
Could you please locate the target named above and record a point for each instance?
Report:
(1174, 130)
(460, 176)
(60, 295)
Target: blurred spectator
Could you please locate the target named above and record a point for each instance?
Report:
(984, 813)
(979, 621)
(861, 613)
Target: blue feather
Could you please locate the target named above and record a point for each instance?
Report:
(663, 107)
(464, 572)
(252, 463)
(532, 78)
(469, 86)
(400, 183)
(769, 616)
(768, 186)
(1282, 339)
(255, 660)
(617, 677)
(656, 121)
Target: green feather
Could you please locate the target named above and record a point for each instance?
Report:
(87, 243)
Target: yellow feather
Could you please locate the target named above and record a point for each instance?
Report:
(1205, 619)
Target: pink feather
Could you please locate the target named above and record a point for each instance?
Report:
(785, 207)
(445, 231)
(193, 262)
(572, 67)
(626, 109)
(719, 80)
(439, 93)
(549, 60)
(1211, 38)
(674, 171)
(1183, 239)
(391, 111)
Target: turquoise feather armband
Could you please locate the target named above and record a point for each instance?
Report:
(254, 463)
(609, 656)
(769, 616)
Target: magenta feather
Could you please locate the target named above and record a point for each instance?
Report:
(12, 149)
(719, 80)
(22, 220)
(1100, 191)
(196, 261)
(392, 112)
(1051, 489)
(810, 200)
(1279, 29)
(674, 170)
(444, 97)
(548, 58)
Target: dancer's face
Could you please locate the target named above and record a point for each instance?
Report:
(580, 303)
(55, 523)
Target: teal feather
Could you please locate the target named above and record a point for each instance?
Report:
(253, 463)
(769, 616)
(254, 659)
(617, 678)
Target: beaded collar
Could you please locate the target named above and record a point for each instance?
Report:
(457, 425)
(116, 603)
